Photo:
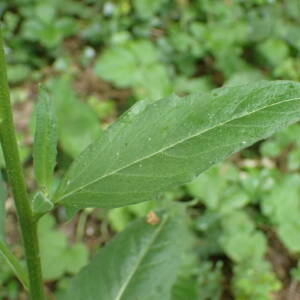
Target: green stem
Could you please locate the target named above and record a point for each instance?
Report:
(14, 264)
(17, 182)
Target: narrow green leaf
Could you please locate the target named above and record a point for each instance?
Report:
(45, 140)
(3, 196)
(173, 140)
(139, 263)
(13, 263)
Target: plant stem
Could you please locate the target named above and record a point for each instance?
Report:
(14, 264)
(17, 182)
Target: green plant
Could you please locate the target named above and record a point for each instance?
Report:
(154, 146)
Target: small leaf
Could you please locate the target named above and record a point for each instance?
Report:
(45, 141)
(41, 204)
(286, 218)
(135, 64)
(254, 279)
(139, 263)
(185, 288)
(55, 248)
(78, 124)
(147, 8)
(117, 58)
(173, 140)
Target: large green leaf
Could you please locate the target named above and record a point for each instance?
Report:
(153, 148)
(45, 140)
(139, 263)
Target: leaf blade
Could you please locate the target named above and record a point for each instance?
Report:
(45, 140)
(142, 258)
(170, 142)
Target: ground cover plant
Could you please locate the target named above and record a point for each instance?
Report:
(123, 148)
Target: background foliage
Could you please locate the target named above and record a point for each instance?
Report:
(97, 58)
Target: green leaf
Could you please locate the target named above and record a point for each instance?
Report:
(295, 272)
(273, 51)
(5, 253)
(2, 161)
(186, 288)
(70, 212)
(139, 263)
(41, 204)
(253, 280)
(187, 282)
(18, 73)
(121, 216)
(45, 141)
(78, 124)
(13, 264)
(240, 240)
(210, 281)
(3, 196)
(173, 140)
(286, 218)
(154, 83)
(55, 248)
(147, 8)
(118, 65)
(135, 64)
(219, 189)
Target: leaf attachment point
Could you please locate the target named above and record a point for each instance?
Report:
(41, 204)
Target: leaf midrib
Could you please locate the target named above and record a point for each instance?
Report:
(173, 145)
(139, 261)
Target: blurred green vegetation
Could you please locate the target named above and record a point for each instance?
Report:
(97, 58)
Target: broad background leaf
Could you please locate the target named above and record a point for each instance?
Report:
(78, 124)
(135, 64)
(139, 263)
(147, 8)
(45, 140)
(170, 142)
(54, 248)
(285, 218)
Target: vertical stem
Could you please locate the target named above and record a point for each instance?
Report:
(16, 179)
